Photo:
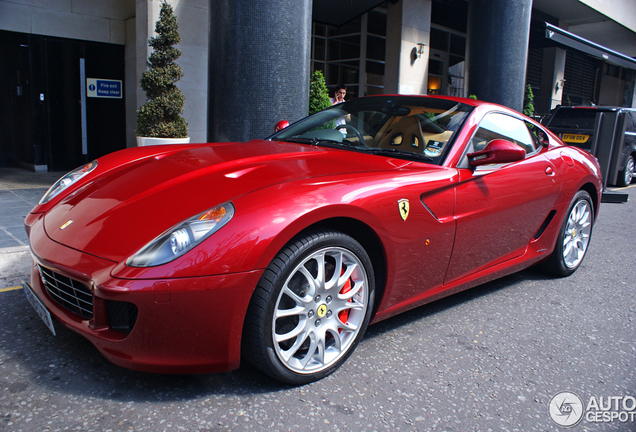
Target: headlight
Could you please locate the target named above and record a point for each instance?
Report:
(181, 238)
(67, 180)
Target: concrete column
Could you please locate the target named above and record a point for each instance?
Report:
(131, 87)
(408, 23)
(259, 66)
(136, 51)
(193, 22)
(498, 35)
(552, 79)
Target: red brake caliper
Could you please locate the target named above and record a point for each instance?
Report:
(344, 314)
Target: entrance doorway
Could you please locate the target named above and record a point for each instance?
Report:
(41, 114)
(437, 73)
(446, 62)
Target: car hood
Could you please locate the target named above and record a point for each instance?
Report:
(115, 213)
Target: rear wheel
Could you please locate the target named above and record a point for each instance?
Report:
(625, 177)
(574, 237)
(310, 308)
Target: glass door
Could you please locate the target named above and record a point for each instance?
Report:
(437, 73)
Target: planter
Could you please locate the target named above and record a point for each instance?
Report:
(147, 141)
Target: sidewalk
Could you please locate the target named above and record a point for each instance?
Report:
(20, 191)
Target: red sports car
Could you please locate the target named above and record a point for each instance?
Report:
(187, 258)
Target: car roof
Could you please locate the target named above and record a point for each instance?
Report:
(596, 108)
(467, 101)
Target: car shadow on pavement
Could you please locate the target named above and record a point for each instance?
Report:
(535, 273)
(69, 364)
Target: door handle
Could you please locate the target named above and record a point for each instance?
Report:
(549, 171)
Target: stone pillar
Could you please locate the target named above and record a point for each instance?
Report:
(498, 35)
(193, 23)
(259, 64)
(552, 81)
(408, 23)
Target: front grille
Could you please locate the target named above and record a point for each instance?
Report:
(68, 293)
(121, 315)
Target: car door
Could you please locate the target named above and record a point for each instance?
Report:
(499, 208)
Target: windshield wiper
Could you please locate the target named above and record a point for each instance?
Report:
(397, 153)
(317, 141)
(300, 140)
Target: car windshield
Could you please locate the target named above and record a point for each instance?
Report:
(411, 127)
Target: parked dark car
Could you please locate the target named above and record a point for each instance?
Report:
(576, 126)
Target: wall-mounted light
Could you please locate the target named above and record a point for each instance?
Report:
(559, 85)
(420, 49)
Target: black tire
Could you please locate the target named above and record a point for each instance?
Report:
(322, 316)
(626, 176)
(574, 236)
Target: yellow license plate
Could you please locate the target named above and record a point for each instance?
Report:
(574, 138)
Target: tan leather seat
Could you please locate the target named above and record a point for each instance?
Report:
(405, 134)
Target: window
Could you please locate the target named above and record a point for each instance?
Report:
(352, 54)
(574, 118)
(539, 135)
(502, 126)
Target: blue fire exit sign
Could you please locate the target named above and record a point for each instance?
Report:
(103, 88)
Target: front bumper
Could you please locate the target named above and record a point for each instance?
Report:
(186, 325)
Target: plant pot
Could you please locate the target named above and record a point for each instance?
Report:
(147, 141)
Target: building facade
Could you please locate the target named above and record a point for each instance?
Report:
(248, 63)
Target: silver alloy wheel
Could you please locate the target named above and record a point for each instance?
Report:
(629, 171)
(577, 234)
(320, 310)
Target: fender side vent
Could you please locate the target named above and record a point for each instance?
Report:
(545, 224)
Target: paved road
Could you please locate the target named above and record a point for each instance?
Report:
(489, 359)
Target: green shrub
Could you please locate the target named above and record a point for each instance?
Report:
(318, 93)
(160, 116)
(528, 101)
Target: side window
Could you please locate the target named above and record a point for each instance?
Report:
(630, 129)
(631, 122)
(538, 134)
(502, 126)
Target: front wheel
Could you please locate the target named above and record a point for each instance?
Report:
(310, 308)
(574, 237)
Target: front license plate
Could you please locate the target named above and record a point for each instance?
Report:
(575, 138)
(38, 306)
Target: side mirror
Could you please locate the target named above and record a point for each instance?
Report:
(497, 151)
(281, 125)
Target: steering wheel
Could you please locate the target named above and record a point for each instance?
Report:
(350, 128)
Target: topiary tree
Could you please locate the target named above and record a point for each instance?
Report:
(528, 101)
(160, 117)
(318, 93)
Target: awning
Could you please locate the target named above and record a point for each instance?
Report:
(578, 43)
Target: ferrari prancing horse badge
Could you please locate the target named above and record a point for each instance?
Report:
(403, 207)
